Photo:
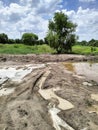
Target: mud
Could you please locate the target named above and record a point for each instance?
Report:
(26, 109)
(44, 58)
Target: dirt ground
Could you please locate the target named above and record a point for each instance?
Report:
(26, 109)
(33, 58)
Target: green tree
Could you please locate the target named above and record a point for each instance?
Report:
(41, 42)
(29, 38)
(70, 41)
(18, 41)
(11, 41)
(52, 39)
(60, 34)
(84, 43)
(3, 38)
(92, 42)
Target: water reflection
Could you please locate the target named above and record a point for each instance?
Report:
(89, 70)
(69, 66)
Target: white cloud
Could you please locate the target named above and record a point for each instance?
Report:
(26, 16)
(87, 0)
(33, 16)
(1, 4)
(87, 21)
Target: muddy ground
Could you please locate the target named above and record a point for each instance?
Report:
(46, 58)
(26, 109)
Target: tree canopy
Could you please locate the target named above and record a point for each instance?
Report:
(3, 38)
(60, 34)
(29, 38)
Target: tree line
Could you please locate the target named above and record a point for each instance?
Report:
(92, 42)
(27, 38)
(60, 35)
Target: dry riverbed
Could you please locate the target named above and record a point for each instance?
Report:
(46, 93)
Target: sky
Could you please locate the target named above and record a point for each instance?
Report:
(20, 16)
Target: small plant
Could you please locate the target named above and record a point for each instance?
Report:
(16, 46)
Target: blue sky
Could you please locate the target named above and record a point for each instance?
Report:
(19, 16)
(75, 4)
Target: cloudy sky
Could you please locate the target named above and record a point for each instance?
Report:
(19, 16)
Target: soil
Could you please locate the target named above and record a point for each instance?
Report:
(26, 109)
(46, 58)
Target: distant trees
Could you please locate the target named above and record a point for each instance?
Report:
(3, 38)
(40, 42)
(11, 41)
(18, 40)
(84, 43)
(92, 42)
(29, 38)
(60, 34)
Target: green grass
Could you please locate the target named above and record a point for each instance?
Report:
(42, 49)
(25, 49)
(85, 50)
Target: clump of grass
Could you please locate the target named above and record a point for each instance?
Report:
(16, 46)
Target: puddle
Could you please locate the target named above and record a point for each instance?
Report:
(17, 73)
(69, 66)
(89, 70)
(60, 103)
(48, 94)
(57, 121)
(94, 97)
(13, 73)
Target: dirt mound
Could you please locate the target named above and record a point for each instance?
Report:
(46, 58)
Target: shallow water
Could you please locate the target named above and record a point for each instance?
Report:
(89, 70)
(57, 121)
(48, 94)
(15, 73)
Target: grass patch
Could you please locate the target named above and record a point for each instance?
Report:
(42, 49)
(25, 49)
(85, 50)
